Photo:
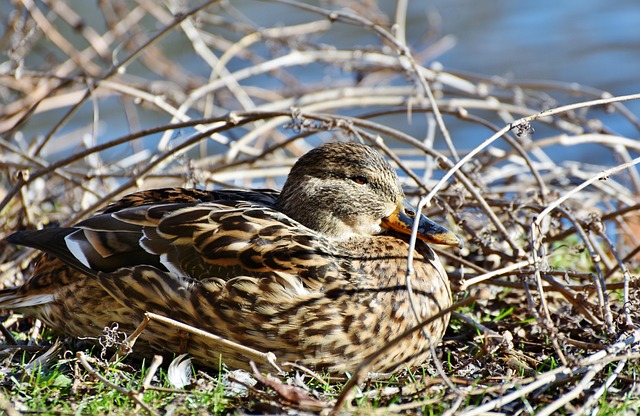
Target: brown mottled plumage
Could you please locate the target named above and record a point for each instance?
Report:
(314, 274)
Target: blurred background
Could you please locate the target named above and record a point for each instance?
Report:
(595, 44)
(557, 52)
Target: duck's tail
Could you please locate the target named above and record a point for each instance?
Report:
(14, 299)
(51, 240)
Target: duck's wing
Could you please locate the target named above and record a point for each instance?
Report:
(265, 197)
(191, 240)
(115, 243)
(221, 239)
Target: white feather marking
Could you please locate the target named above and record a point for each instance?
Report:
(172, 267)
(236, 246)
(26, 301)
(75, 248)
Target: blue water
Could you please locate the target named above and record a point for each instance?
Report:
(593, 42)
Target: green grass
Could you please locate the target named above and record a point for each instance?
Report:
(66, 387)
(570, 254)
(42, 389)
(611, 405)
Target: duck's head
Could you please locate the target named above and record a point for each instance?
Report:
(347, 189)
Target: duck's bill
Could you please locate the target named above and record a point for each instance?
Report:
(402, 219)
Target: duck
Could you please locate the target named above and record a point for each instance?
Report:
(314, 274)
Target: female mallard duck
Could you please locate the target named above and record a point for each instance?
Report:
(315, 274)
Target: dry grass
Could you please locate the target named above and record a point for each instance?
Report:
(156, 95)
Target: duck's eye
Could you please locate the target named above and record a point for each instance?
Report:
(410, 213)
(360, 180)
